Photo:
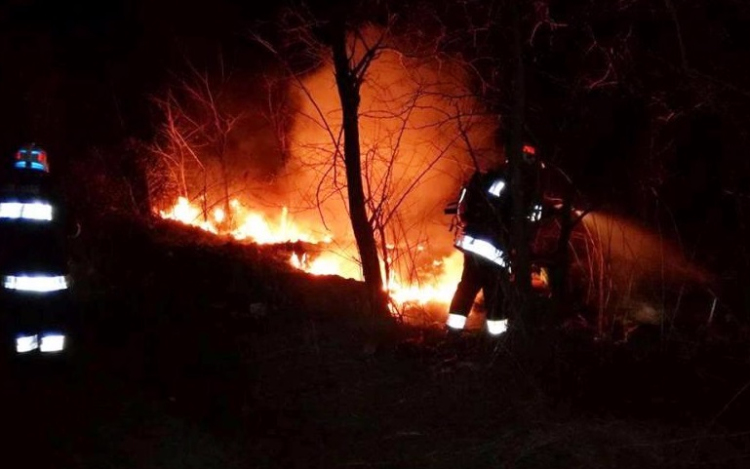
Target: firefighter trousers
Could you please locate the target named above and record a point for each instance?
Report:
(478, 275)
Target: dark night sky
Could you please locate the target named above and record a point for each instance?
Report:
(77, 74)
(80, 73)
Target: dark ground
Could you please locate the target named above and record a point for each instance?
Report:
(200, 353)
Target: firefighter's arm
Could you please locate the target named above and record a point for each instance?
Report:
(557, 208)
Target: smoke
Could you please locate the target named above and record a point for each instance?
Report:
(641, 256)
(421, 133)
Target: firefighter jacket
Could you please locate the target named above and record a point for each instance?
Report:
(33, 254)
(484, 213)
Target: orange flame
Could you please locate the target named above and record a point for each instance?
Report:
(184, 212)
(249, 225)
(438, 289)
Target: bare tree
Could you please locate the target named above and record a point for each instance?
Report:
(194, 137)
(350, 71)
(278, 112)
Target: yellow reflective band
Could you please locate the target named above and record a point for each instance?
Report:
(482, 248)
(456, 321)
(36, 283)
(497, 187)
(52, 343)
(26, 211)
(26, 343)
(497, 326)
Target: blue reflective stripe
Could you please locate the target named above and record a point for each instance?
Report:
(30, 165)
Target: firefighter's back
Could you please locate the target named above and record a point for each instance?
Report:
(34, 294)
(485, 206)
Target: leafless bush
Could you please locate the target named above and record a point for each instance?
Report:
(191, 150)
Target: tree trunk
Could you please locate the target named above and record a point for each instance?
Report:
(348, 87)
(561, 261)
(519, 233)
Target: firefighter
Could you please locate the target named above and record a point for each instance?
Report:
(34, 296)
(483, 212)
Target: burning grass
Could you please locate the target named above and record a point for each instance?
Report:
(425, 298)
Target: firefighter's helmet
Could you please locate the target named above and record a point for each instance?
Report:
(31, 157)
(529, 154)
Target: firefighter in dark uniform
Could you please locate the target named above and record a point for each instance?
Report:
(484, 213)
(35, 310)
